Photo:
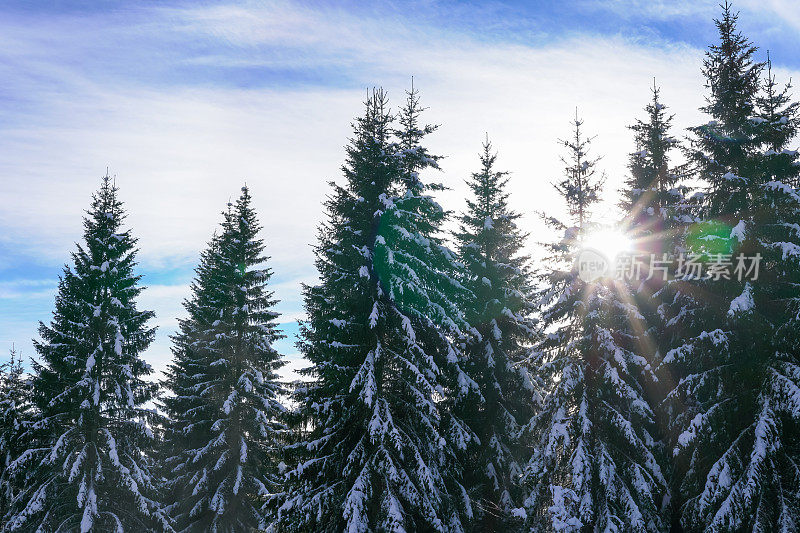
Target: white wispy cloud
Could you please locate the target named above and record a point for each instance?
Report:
(655, 9)
(27, 288)
(181, 152)
(111, 90)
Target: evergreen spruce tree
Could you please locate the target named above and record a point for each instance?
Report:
(498, 276)
(374, 457)
(421, 276)
(89, 469)
(658, 212)
(594, 463)
(16, 413)
(222, 442)
(777, 117)
(734, 412)
(654, 198)
(580, 186)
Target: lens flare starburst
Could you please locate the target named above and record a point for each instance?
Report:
(609, 242)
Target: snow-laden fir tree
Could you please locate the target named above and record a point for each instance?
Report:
(374, 457)
(89, 469)
(594, 464)
(736, 407)
(498, 276)
(581, 185)
(654, 199)
(223, 439)
(658, 211)
(16, 413)
(421, 276)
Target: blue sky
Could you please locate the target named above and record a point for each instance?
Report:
(185, 101)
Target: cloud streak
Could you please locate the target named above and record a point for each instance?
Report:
(186, 103)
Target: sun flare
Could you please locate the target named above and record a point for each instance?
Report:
(610, 242)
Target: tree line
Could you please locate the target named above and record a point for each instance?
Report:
(452, 386)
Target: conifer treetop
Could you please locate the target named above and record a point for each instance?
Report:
(221, 445)
(581, 185)
(732, 75)
(90, 468)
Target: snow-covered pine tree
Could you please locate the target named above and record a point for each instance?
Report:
(421, 277)
(594, 463)
(372, 455)
(658, 212)
(777, 116)
(736, 408)
(16, 412)
(776, 236)
(657, 208)
(223, 439)
(654, 199)
(411, 261)
(580, 186)
(497, 274)
(89, 468)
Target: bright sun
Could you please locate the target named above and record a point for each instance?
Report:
(608, 241)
